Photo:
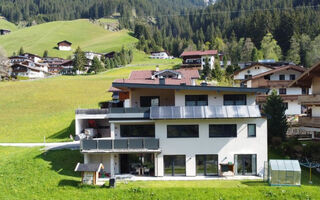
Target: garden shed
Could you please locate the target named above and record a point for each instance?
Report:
(284, 173)
(89, 172)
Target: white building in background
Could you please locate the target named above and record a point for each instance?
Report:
(160, 124)
(278, 78)
(64, 45)
(197, 59)
(160, 55)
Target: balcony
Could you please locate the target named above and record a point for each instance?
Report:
(91, 111)
(120, 145)
(270, 83)
(127, 113)
(309, 100)
(313, 122)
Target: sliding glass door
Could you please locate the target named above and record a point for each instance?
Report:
(246, 164)
(175, 165)
(207, 165)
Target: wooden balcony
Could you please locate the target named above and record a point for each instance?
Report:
(263, 98)
(313, 122)
(270, 83)
(309, 100)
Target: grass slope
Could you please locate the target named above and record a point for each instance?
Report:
(4, 24)
(32, 110)
(33, 174)
(88, 36)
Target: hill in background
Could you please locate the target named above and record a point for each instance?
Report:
(83, 33)
(4, 24)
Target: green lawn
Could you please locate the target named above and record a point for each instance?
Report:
(4, 24)
(28, 173)
(32, 110)
(89, 36)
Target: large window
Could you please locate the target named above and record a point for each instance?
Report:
(137, 130)
(222, 130)
(149, 101)
(182, 131)
(175, 165)
(292, 77)
(234, 99)
(196, 100)
(245, 164)
(304, 91)
(251, 130)
(207, 165)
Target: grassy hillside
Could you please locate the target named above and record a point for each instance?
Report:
(88, 36)
(4, 24)
(32, 110)
(33, 174)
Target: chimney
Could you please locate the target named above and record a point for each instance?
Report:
(157, 68)
(162, 81)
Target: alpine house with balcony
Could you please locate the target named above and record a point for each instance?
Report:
(162, 124)
(311, 121)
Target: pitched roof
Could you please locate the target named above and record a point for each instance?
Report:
(92, 167)
(145, 77)
(305, 80)
(253, 65)
(64, 41)
(199, 53)
(279, 69)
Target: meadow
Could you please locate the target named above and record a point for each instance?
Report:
(30, 173)
(83, 33)
(4, 24)
(31, 111)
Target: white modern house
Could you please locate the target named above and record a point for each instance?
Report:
(160, 55)
(277, 78)
(162, 124)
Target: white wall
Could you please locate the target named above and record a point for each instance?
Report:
(254, 70)
(290, 91)
(214, 98)
(211, 61)
(315, 111)
(294, 108)
(64, 48)
(287, 73)
(226, 148)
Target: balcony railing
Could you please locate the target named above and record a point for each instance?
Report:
(91, 111)
(108, 145)
(309, 99)
(313, 122)
(130, 110)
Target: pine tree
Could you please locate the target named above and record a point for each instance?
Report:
(275, 109)
(79, 60)
(206, 72)
(255, 55)
(45, 54)
(246, 51)
(294, 51)
(96, 66)
(107, 64)
(217, 72)
(21, 51)
(270, 48)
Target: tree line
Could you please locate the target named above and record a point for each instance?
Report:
(292, 27)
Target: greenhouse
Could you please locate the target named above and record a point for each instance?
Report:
(284, 172)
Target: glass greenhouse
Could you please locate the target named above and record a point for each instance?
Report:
(284, 172)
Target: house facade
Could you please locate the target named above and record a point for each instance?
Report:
(197, 59)
(25, 70)
(276, 78)
(4, 31)
(160, 55)
(168, 126)
(310, 123)
(64, 45)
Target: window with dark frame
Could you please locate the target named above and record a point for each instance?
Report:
(196, 100)
(182, 131)
(145, 130)
(282, 91)
(247, 76)
(234, 99)
(282, 77)
(149, 101)
(304, 91)
(251, 130)
(222, 130)
(292, 77)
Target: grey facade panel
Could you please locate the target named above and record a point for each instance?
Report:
(120, 144)
(104, 144)
(135, 143)
(89, 144)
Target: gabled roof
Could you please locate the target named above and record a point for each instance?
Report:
(305, 80)
(253, 65)
(92, 167)
(279, 69)
(64, 41)
(167, 71)
(30, 55)
(199, 53)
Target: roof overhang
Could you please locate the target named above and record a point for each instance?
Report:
(190, 87)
